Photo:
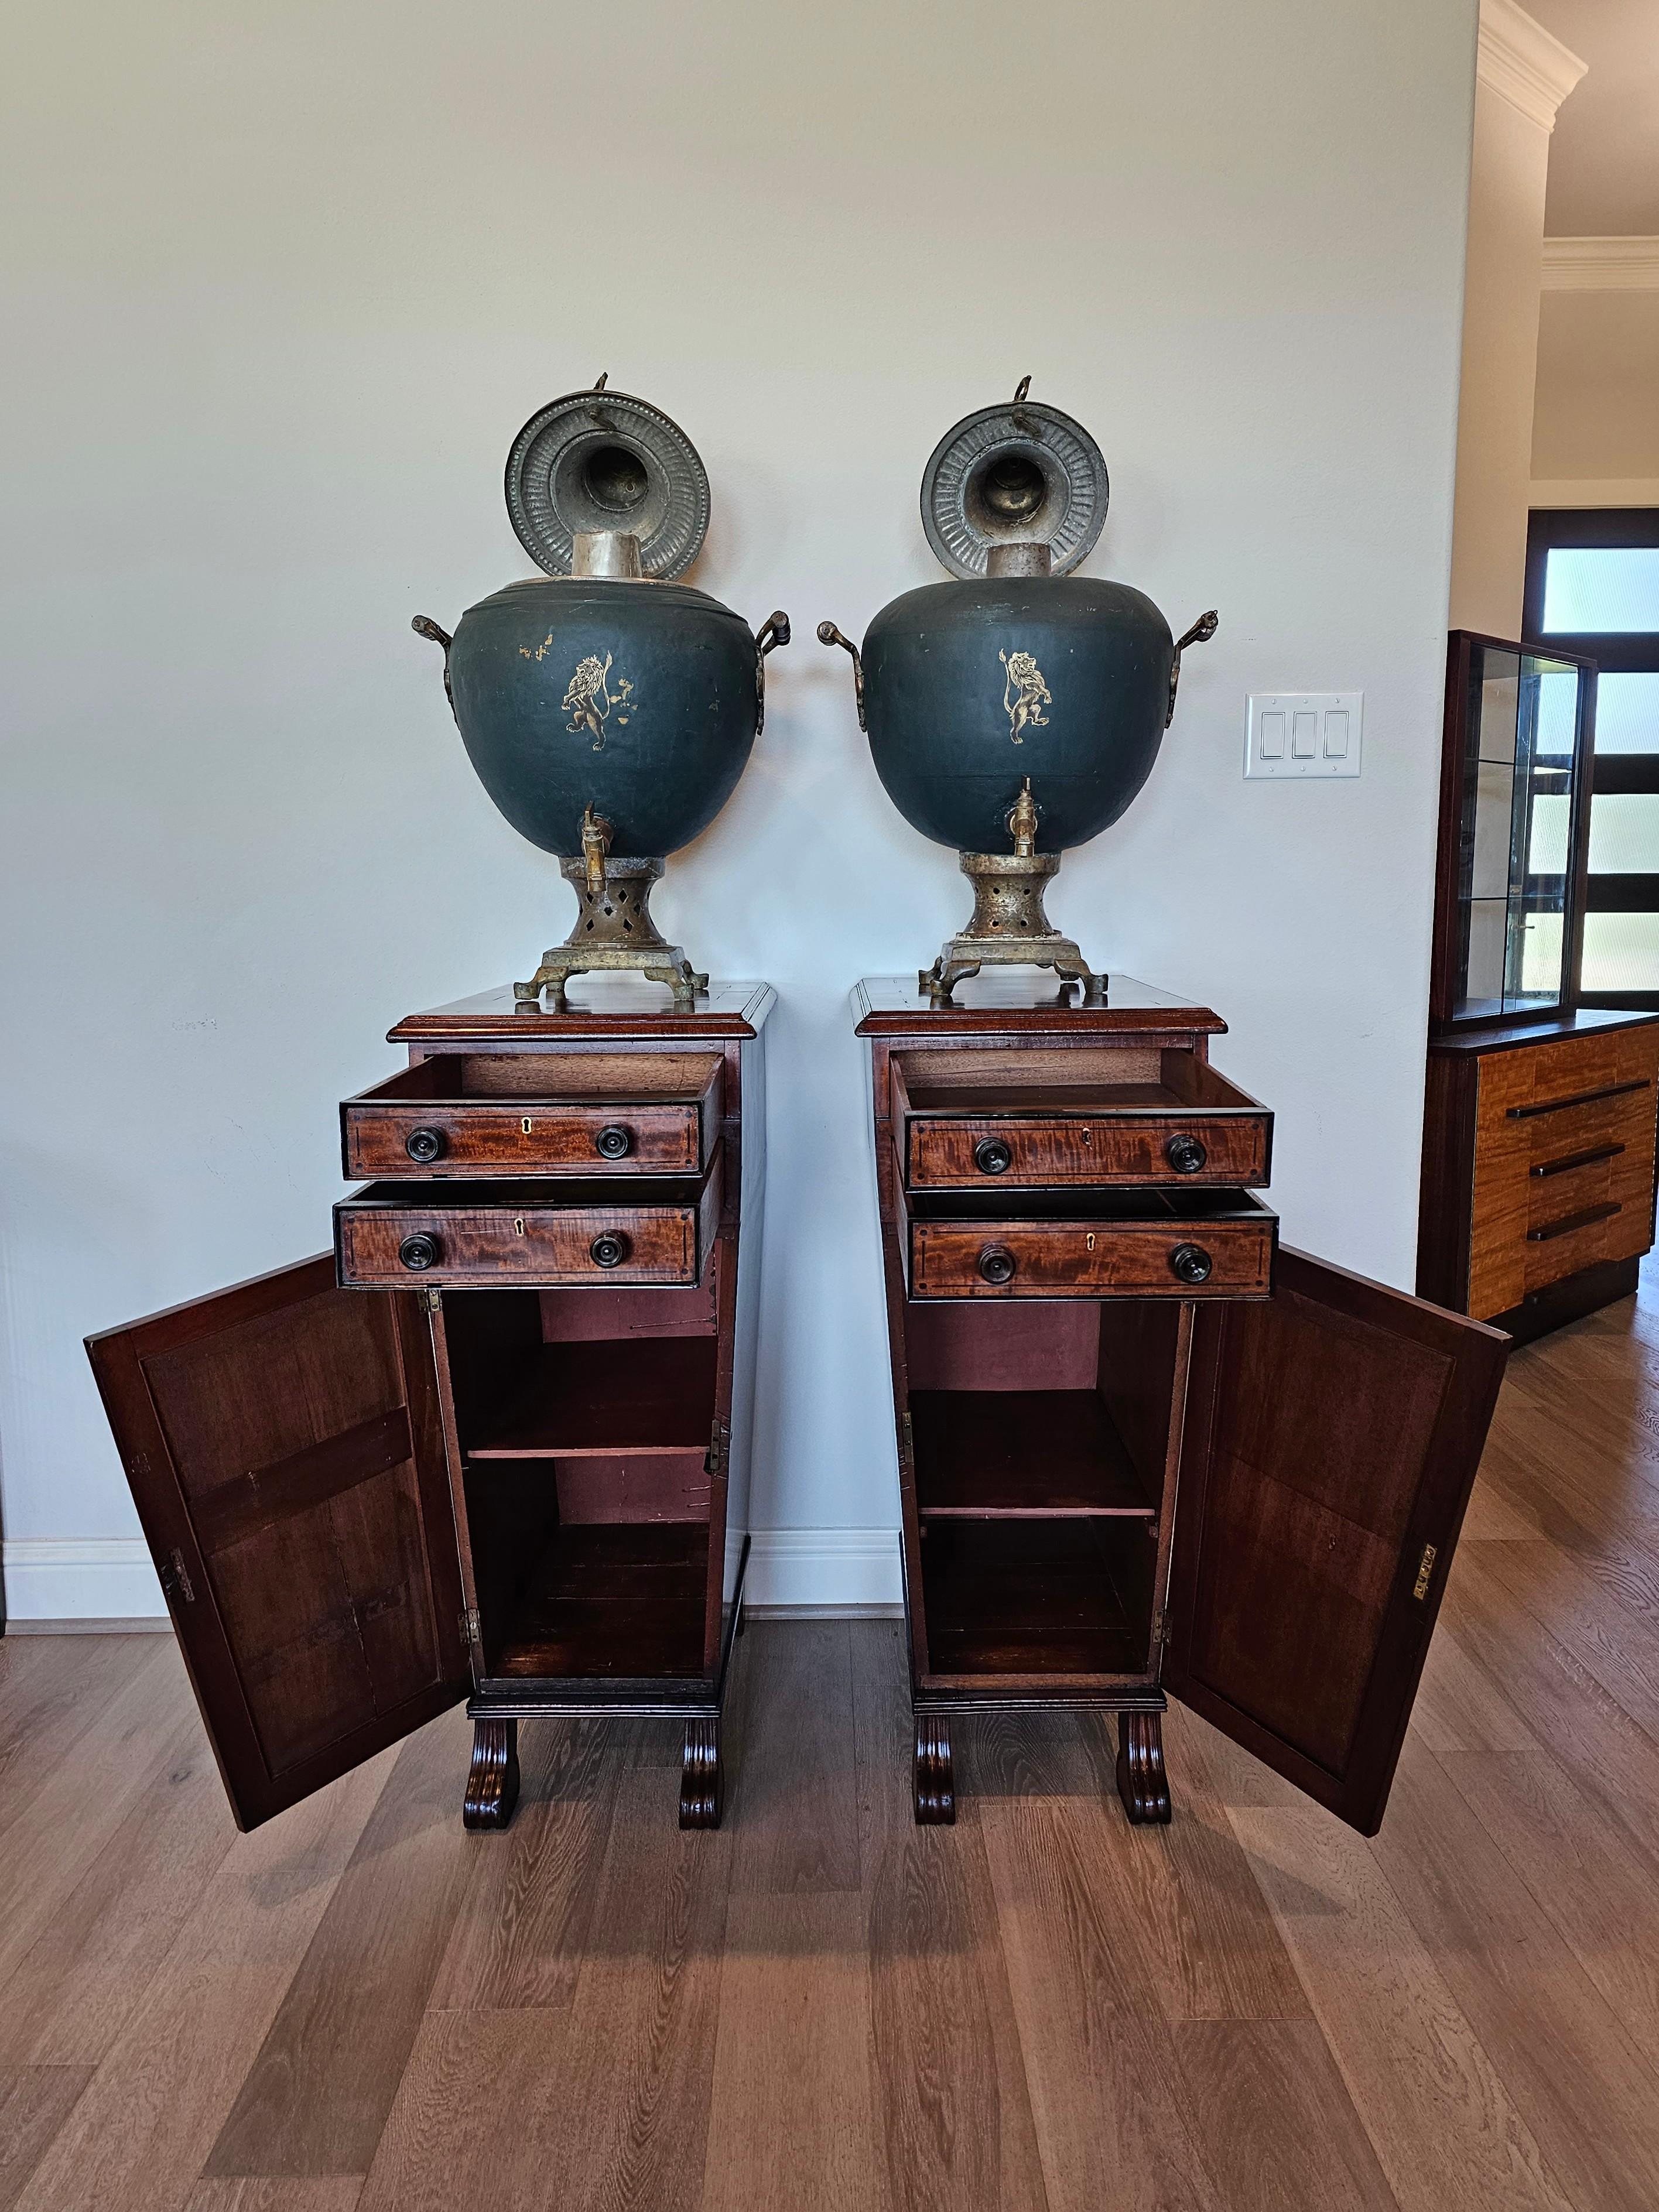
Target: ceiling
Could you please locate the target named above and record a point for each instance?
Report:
(1604, 157)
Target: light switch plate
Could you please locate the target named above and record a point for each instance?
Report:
(1304, 733)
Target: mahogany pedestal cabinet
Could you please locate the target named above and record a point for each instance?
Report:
(496, 1446)
(1144, 1452)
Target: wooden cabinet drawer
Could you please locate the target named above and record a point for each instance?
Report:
(1563, 1165)
(599, 1233)
(1139, 1245)
(1036, 1119)
(483, 1114)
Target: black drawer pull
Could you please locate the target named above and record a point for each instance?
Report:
(608, 1248)
(1579, 1098)
(614, 1142)
(994, 1156)
(1185, 1153)
(1578, 1160)
(419, 1251)
(1569, 1222)
(996, 1264)
(1190, 1263)
(424, 1145)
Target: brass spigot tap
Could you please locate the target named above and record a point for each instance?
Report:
(596, 834)
(1023, 821)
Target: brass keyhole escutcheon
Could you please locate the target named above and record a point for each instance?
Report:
(527, 1125)
(1091, 1240)
(518, 1224)
(1088, 1136)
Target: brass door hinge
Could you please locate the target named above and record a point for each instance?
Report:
(910, 1436)
(175, 1578)
(719, 1448)
(471, 1627)
(434, 1300)
(1424, 1569)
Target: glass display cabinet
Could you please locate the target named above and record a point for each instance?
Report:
(1514, 821)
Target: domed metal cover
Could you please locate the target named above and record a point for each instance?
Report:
(601, 460)
(1017, 474)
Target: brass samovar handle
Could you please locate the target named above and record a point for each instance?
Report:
(1200, 634)
(423, 626)
(829, 634)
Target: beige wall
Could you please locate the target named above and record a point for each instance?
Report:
(1597, 406)
(1500, 352)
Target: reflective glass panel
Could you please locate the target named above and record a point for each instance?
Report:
(1626, 712)
(1621, 951)
(1624, 838)
(1601, 587)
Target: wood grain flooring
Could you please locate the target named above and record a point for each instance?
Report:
(362, 2007)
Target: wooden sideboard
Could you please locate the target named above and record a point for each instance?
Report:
(1143, 1451)
(496, 1446)
(1537, 1196)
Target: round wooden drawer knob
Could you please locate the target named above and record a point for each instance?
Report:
(424, 1145)
(992, 1156)
(1186, 1154)
(608, 1248)
(1190, 1263)
(419, 1251)
(996, 1264)
(614, 1142)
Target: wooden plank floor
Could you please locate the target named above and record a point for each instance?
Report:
(362, 2007)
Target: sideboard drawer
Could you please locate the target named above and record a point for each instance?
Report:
(1044, 1120)
(482, 1115)
(397, 1235)
(1135, 1244)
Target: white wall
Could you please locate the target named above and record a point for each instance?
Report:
(285, 280)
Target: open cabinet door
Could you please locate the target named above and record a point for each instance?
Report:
(1332, 1437)
(284, 1447)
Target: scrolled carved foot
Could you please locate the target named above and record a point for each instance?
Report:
(1141, 1782)
(932, 1775)
(703, 1778)
(492, 1784)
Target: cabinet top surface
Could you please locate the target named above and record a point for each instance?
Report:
(1022, 999)
(1556, 1028)
(615, 1005)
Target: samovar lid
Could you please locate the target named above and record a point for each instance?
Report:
(602, 461)
(1020, 474)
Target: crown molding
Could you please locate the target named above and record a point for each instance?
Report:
(1519, 60)
(1601, 265)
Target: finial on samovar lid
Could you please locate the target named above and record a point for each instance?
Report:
(1016, 476)
(601, 464)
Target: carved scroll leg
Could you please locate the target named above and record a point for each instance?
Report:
(1141, 1782)
(703, 1778)
(492, 1785)
(933, 1778)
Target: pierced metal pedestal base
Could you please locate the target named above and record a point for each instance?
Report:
(614, 931)
(1009, 928)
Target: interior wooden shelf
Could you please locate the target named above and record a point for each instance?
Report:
(645, 1395)
(1027, 1597)
(999, 1454)
(622, 1600)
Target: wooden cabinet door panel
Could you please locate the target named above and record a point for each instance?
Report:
(282, 1444)
(1332, 1437)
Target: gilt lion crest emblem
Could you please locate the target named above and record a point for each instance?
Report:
(1025, 694)
(591, 694)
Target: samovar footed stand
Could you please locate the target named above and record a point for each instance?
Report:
(614, 930)
(1009, 928)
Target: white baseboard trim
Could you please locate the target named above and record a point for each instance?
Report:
(813, 1573)
(99, 1580)
(824, 1574)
